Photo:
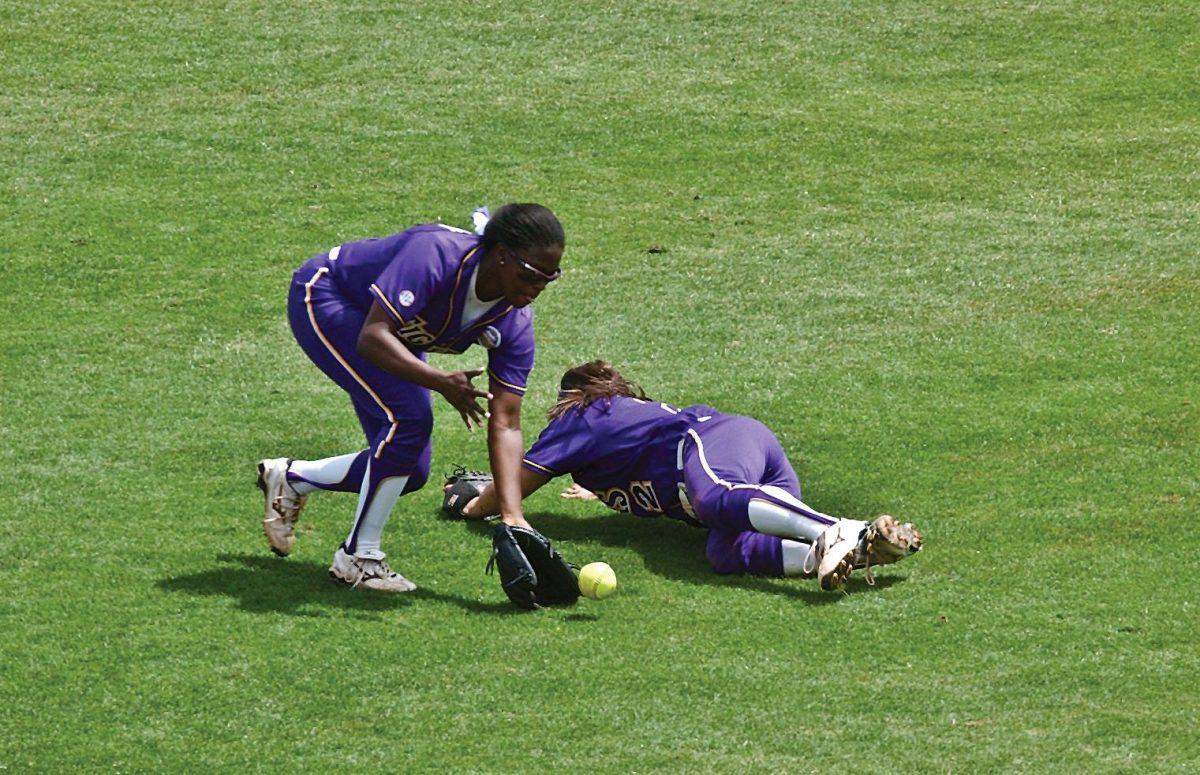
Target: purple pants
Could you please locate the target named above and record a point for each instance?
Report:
(724, 459)
(396, 416)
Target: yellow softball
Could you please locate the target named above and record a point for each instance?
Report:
(597, 580)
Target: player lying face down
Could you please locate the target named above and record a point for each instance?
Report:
(366, 313)
(723, 472)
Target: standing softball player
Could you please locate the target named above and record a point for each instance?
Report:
(724, 472)
(366, 313)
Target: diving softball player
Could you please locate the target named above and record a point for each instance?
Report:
(366, 313)
(724, 472)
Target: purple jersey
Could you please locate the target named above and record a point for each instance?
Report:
(625, 450)
(420, 277)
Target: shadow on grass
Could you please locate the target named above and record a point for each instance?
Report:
(675, 551)
(274, 585)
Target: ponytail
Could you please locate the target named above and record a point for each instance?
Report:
(587, 383)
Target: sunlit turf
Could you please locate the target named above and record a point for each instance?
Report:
(949, 252)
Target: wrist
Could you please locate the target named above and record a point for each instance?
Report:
(439, 382)
(516, 520)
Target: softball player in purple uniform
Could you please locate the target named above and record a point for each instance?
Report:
(725, 472)
(366, 313)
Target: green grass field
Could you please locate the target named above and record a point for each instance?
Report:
(950, 252)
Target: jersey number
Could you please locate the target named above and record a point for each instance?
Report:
(640, 494)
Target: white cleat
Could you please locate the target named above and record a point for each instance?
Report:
(886, 540)
(835, 550)
(369, 570)
(282, 507)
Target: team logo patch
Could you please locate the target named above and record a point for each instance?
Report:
(406, 298)
(489, 337)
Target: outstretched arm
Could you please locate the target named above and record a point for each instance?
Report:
(488, 503)
(505, 449)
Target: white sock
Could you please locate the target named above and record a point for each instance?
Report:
(330, 470)
(369, 526)
(797, 557)
(797, 521)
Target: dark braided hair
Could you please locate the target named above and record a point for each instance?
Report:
(587, 383)
(520, 226)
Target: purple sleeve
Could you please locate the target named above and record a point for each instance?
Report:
(510, 363)
(564, 446)
(410, 280)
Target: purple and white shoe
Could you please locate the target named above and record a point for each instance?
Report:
(282, 506)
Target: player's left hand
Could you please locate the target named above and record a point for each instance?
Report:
(532, 572)
(578, 493)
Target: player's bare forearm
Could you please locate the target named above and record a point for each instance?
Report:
(487, 502)
(379, 343)
(505, 449)
(507, 468)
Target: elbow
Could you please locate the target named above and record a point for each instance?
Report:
(365, 346)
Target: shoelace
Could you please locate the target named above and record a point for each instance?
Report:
(814, 554)
(379, 569)
(873, 532)
(287, 506)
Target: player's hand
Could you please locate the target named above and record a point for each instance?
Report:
(577, 493)
(463, 396)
